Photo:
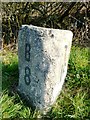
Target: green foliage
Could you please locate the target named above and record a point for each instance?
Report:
(78, 68)
(74, 100)
(9, 68)
(11, 109)
(68, 106)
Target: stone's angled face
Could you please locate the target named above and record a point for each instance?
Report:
(43, 57)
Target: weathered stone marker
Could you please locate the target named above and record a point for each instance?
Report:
(43, 58)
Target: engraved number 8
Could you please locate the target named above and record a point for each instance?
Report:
(27, 75)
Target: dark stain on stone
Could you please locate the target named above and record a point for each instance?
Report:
(37, 80)
(65, 64)
(52, 36)
(66, 46)
(50, 33)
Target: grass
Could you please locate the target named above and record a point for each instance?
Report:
(73, 102)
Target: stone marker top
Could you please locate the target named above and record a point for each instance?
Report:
(32, 26)
(64, 32)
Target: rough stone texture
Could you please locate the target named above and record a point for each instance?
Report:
(43, 59)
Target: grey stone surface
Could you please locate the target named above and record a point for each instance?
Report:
(43, 59)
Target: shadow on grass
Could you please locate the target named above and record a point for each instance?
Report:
(10, 80)
(10, 75)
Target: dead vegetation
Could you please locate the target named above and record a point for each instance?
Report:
(74, 16)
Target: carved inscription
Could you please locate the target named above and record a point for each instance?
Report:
(27, 69)
(27, 75)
